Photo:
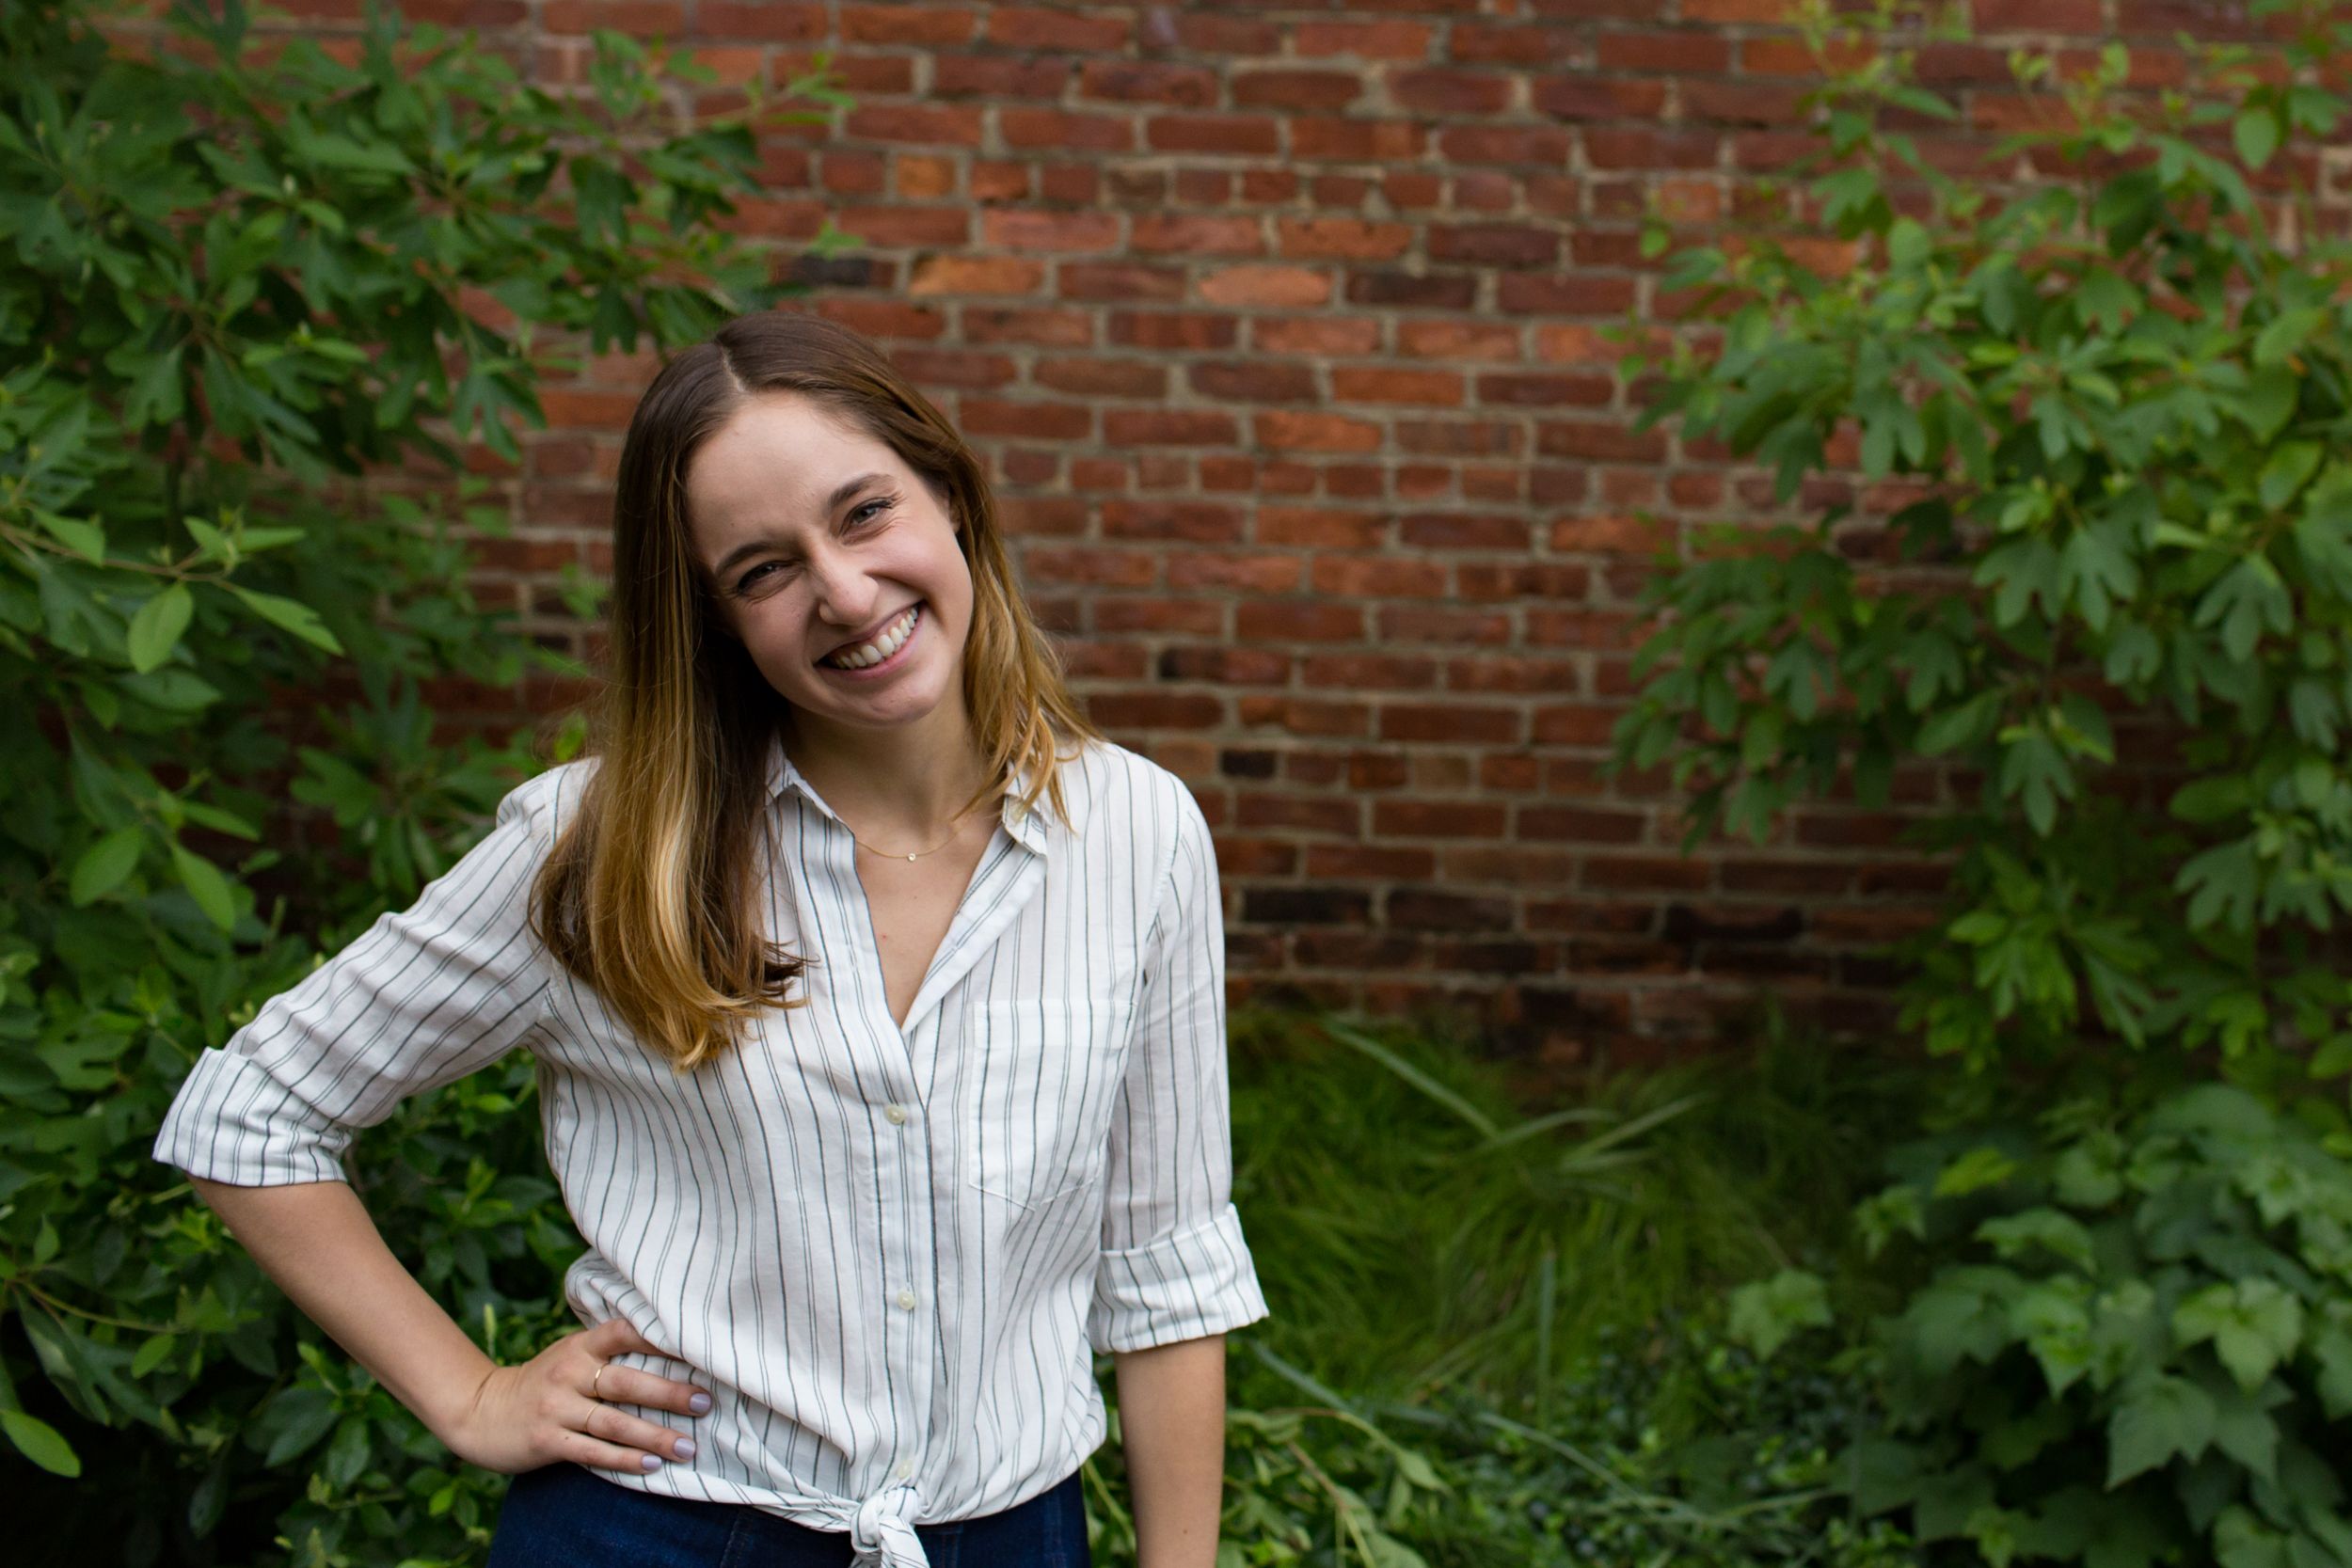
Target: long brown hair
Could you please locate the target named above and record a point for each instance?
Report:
(650, 896)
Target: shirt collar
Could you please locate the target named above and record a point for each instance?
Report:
(1027, 825)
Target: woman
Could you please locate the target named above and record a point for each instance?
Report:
(878, 1009)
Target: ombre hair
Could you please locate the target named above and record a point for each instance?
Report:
(651, 893)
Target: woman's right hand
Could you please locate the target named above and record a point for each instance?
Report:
(558, 1406)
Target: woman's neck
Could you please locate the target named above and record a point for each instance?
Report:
(912, 780)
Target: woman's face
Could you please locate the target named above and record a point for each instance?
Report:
(834, 563)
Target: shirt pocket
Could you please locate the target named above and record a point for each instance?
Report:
(1045, 1075)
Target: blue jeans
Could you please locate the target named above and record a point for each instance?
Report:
(564, 1516)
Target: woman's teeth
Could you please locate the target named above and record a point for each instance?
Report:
(894, 636)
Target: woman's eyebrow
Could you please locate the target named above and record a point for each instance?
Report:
(833, 502)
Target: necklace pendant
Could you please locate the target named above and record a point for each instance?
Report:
(910, 859)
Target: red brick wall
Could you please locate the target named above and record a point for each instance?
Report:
(1283, 328)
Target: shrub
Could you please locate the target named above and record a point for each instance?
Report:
(2115, 612)
(2115, 608)
(237, 279)
(2136, 1343)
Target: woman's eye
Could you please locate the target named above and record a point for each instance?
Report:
(762, 575)
(867, 511)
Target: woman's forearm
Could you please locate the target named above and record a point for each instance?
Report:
(1171, 1414)
(316, 1241)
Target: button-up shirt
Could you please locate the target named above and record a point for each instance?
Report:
(889, 1250)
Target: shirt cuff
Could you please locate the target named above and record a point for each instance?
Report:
(1182, 1287)
(234, 1123)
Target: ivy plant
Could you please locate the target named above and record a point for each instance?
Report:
(2079, 551)
(257, 302)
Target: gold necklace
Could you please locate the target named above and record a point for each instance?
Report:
(935, 848)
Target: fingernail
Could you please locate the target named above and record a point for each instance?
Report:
(650, 1462)
(699, 1405)
(684, 1447)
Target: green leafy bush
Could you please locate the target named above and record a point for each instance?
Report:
(2116, 609)
(2112, 615)
(2135, 1345)
(244, 293)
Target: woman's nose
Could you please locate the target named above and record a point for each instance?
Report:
(844, 595)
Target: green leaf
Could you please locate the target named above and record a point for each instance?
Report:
(207, 886)
(2255, 133)
(2254, 1324)
(2290, 465)
(155, 630)
(2161, 1415)
(1975, 1171)
(105, 865)
(2014, 1236)
(289, 615)
(84, 539)
(40, 1442)
(1767, 1313)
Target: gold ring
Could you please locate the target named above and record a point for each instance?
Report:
(593, 1381)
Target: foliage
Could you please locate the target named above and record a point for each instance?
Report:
(233, 279)
(2116, 610)
(2136, 1344)
(1402, 1204)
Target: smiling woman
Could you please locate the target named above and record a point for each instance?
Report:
(880, 1015)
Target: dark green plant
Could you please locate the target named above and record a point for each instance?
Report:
(2135, 1345)
(242, 288)
(2114, 613)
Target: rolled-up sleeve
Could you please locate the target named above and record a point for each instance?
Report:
(421, 999)
(1174, 1265)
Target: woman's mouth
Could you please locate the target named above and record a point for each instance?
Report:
(864, 655)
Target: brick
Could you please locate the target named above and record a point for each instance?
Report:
(1155, 710)
(1450, 530)
(1297, 89)
(1021, 27)
(1025, 229)
(1245, 134)
(911, 122)
(1582, 824)
(2037, 16)
(1504, 144)
(1684, 54)
(1148, 82)
(1358, 141)
(1123, 378)
(1457, 340)
(997, 76)
(1182, 427)
(907, 226)
(1460, 93)
(1370, 672)
(1197, 234)
(1574, 295)
(1328, 527)
(1315, 433)
(1355, 384)
(1052, 328)
(1583, 98)
(760, 19)
(1046, 422)
(1544, 392)
(1324, 335)
(1479, 44)
(1298, 621)
(1118, 280)
(974, 274)
(1266, 287)
(1496, 244)
(924, 24)
(1257, 574)
(1377, 576)
(1347, 239)
(953, 367)
(1438, 819)
(1249, 381)
(1107, 568)
(1493, 726)
(1384, 862)
(1051, 128)
(1305, 906)
(1167, 329)
(1371, 41)
(1431, 292)
(1602, 440)
(1634, 146)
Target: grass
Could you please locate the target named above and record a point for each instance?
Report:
(1418, 1228)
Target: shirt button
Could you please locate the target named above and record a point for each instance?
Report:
(906, 1300)
(905, 1470)
(895, 1113)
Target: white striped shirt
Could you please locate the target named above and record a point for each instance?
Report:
(889, 1250)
